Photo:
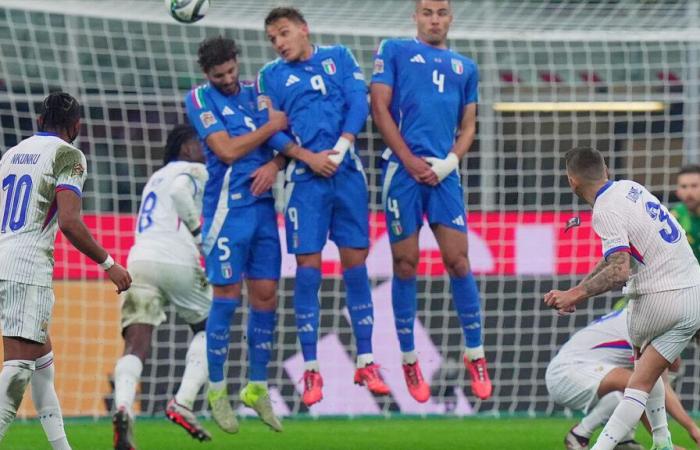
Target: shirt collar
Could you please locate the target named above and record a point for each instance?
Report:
(605, 187)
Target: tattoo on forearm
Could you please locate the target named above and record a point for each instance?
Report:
(596, 270)
(612, 275)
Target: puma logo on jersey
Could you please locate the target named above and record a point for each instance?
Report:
(291, 80)
(418, 59)
(227, 111)
(459, 220)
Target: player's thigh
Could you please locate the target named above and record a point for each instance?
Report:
(265, 257)
(402, 202)
(349, 226)
(226, 259)
(453, 248)
(307, 215)
(25, 310)
(615, 380)
(575, 385)
(446, 205)
(187, 288)
(144, 302)
(671, 343)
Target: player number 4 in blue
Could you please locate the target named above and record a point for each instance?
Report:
(656, 210)
(439, 80)
(16, 201)
(145, 217)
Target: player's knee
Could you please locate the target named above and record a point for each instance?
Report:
(405, 268)
(458, 267)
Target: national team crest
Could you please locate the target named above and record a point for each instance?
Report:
(457, 66)
(396, 227)
(329, 66)
(226, 270)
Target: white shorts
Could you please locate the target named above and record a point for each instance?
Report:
(155, 285)
(575, 384)
(666, 320)
(25, 310)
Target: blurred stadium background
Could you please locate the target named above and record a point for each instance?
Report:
(620, 75)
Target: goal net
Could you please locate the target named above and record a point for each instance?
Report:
(618, 75)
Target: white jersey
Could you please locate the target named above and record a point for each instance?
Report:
(627, 217)
(161, 236)
(604, 341)
(31, 173)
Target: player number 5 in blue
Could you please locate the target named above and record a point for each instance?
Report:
(16, 201)
(145, 217)
(439, 80)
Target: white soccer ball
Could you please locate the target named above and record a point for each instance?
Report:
(187, 11)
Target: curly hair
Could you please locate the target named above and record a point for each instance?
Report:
(178, 136)
(60, 112)
(215, 51)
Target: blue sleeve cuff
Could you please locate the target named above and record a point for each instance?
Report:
(279, 141)
(69, 187)
(357, 114)
(621, 248)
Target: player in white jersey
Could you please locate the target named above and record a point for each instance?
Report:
(645, 247)
(590, 372)
(165, 264)
(42, 180)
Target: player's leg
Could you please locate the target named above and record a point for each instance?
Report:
(307, 220)
(190, 293)
(25, 317)
(448, 222)
(403, 207)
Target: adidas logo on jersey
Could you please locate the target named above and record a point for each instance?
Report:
(227, 111)
(305, 329)
(418, 59)
(366, 321)
(291, 80)
(459, 220)
(264, 346)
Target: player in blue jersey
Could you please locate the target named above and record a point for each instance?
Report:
(323, 92)
(421, 93)
(240, 223)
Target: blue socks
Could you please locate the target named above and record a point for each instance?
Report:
(359, 302)
(468, 305)
(403, 300)
(307, 309)
(217, 329)
(261, 329)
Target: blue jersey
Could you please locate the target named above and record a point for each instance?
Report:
(323, 97)
(431, 87)
(210, 111)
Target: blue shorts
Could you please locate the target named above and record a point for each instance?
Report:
(321, 207)
(247, 244)
(406, 202)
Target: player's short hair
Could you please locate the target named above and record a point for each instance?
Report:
(586, 163)
(284, 12)
(59, 112)
(178, 136)
(419, 1)
(215, 51)
(689, 168)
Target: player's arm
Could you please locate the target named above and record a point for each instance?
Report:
(264, 176)
(467, 130)
(677, 411)
(183, 193)
(70, 222)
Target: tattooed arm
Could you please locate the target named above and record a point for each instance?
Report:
(607, 275)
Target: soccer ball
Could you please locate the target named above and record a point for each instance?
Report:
(187, 11)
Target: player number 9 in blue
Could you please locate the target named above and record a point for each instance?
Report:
(317, 84)
(16, 201)
(149, 204)
(671, 234)
(293, 217)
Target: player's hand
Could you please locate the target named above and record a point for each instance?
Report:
(263, 178)
(277, 119)
(120, 277)
(321, 164)
(443, 167)
(563, 301)
(695, 435)
(421, 171)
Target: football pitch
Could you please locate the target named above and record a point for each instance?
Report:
(329, 434)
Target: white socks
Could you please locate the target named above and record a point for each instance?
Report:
(196, 371)
(474, 353)
(597, 416)
(46, 402)
(312, 366)
(127, 373)
(409, 357)
(656, 413)
(14, 378)
(624, 418)
(364, 360)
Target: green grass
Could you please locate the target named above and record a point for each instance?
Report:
(328, 434)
